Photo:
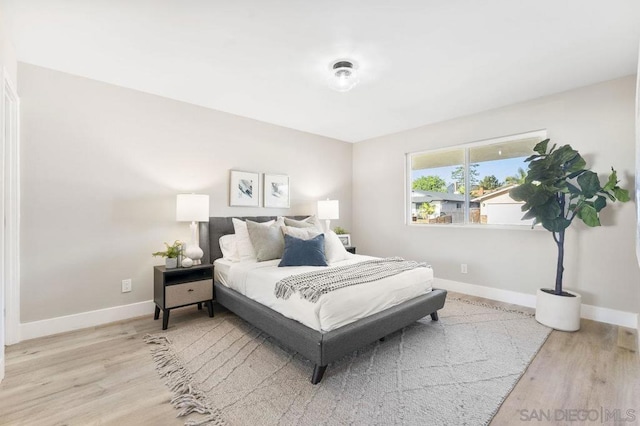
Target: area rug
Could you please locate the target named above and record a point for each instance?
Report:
(454, 371)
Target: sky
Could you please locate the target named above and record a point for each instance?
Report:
(499, 168)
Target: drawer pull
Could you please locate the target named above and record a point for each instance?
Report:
(190, 290)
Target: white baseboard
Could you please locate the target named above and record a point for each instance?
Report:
(32, 330)
(2, 367)
(596, 313)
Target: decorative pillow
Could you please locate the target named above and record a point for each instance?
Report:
(243, 242)
(302, 233)
(311, 221)
(334, 249)
(229, 247)
(267, 241)
(299, 252)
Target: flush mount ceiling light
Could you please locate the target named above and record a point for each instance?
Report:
(344, 75)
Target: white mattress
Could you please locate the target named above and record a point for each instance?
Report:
(257, 280)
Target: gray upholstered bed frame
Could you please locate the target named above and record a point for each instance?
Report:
(318, 347)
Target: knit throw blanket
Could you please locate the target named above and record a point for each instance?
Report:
(312, 285)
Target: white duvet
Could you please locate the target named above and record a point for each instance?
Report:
(257, 280)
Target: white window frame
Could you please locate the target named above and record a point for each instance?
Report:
(467, 196)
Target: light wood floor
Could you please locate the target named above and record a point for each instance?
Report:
(104, 375)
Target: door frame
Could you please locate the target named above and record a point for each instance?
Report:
(11, 140)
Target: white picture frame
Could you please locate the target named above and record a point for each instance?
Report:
(345, 239)
(276, 191)
(244, 189)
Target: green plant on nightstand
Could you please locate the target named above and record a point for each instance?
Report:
(171, 254)
(340, 231)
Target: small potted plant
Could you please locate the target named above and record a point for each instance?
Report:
(557, 190)
(340, 231)
(171, 254)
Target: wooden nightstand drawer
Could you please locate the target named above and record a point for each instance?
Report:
(187, 293)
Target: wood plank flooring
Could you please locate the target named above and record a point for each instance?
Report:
(105, 376)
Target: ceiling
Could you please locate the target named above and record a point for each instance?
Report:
(420, 61)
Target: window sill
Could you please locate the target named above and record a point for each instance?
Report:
(475, 226)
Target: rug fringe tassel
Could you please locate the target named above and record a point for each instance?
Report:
(186, 399)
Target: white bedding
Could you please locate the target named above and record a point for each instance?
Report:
(257, 280)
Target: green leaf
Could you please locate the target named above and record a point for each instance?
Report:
(564, 154)
(612, 181)
(556, 225)
(577, 164)
(600, 203)
(589, 215)
(531, 157)
(522, 192)
(589, 183)
(540, 196)
(547, 212)
(541, 147)
(573, 189)
(621, 194)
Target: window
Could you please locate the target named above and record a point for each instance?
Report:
(438, 182)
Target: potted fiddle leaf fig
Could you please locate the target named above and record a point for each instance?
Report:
(557, 190)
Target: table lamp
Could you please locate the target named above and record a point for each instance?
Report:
(193, 208)
(327, 210)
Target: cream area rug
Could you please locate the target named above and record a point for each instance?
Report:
(454, 371)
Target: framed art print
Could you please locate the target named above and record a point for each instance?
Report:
(345, 239)
(276, 191)
(244, 189)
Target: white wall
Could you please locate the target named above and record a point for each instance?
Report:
(101, 166)
(7, 52)
(600, 263)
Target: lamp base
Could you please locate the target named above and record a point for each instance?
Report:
(194, 253)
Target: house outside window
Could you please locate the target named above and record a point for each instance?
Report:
(437, 182)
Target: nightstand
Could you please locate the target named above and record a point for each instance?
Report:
(175, 288)
(351, 249)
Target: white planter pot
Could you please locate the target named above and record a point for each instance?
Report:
(558, 312)
(171, 262)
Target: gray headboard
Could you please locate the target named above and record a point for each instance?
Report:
(210, 233)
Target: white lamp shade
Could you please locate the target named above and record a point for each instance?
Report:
(192, 208)
(328, 209)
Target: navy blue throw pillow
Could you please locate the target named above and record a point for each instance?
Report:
(298, 252)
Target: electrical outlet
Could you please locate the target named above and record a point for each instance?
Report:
(126, 285)
(463, 268)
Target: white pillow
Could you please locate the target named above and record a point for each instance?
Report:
(229, 248)
(302, 233)
(313, 219)
(243, 242)
(267, 240)
(334, 249)
(309, 222)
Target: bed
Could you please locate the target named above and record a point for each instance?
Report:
(321, 343)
